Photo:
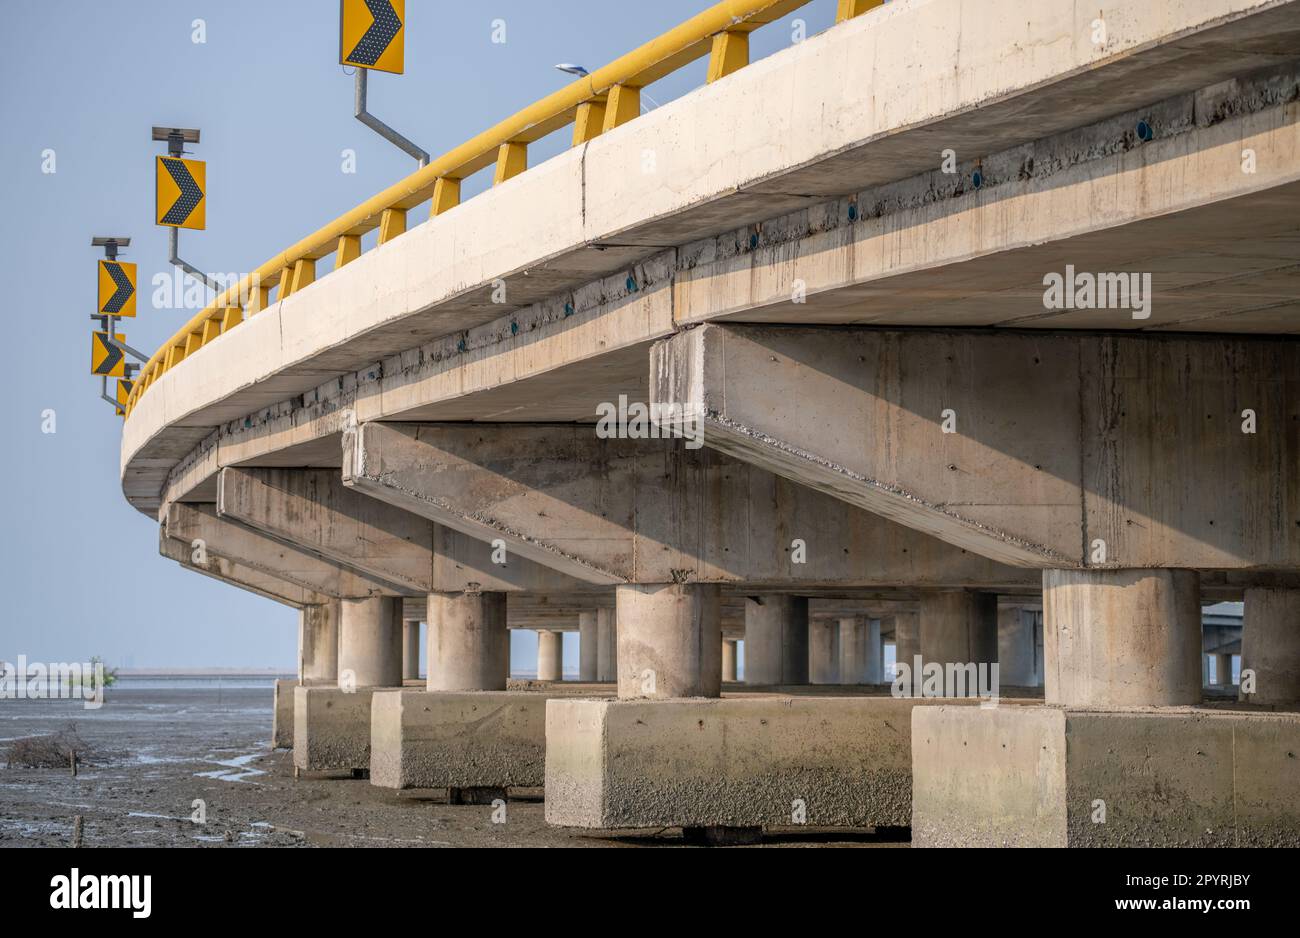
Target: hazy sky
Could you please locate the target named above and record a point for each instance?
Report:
(86, 79)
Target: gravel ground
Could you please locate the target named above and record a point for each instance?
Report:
(211, 744)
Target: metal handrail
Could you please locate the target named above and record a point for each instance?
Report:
(594, 103)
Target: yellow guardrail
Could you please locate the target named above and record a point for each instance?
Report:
(595, 103)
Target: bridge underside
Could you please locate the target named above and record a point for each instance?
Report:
(1032, 412)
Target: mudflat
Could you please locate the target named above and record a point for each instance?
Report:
(171, 747)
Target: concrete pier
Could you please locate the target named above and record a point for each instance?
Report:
(823, 652)
(729, 660)
(588, 646)
(776, 639)
(1270, 647)
(959, 627)
(370, 642)
(1017, 648)
(469, 646)
(606, 645)
(550, 655)
(1123, 638)
(411, 650)
(670, 641)
(853, 651)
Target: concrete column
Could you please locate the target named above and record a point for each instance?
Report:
(873, 652)
(606, 644)
(823, 652)
(469, 645)
(318, 643)
(1224, 668)
(370, 641)
(1270, 646)
(550, 655)
(907, 637)
(588, 646)
(776, 639)
(1122, 638)
(959, 627)
(852, 660)
(1016, 647)
(729, 660)
(410, 649)
(670, 640)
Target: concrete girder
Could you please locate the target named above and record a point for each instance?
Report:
(225, 538)
(234, 573)
(313, 511)
(642, 511)
(1061, 445)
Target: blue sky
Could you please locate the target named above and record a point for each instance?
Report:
(79, 566)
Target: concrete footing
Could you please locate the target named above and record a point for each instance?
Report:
(737, 762)
(331, 729)
(282, 715)
(457, 740)
(1054, 777)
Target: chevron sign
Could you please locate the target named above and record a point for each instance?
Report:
(105, 358)
(181, 186)
(370, 34)
(116, 288)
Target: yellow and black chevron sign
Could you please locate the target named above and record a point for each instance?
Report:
(181, 193)
(372, 34)
(116, 288)
(124, 386)
(106, 359)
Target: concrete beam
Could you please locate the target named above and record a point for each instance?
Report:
(642, 511)
(226, 539)
(311, 509)
(234, 573)
(1041, 450)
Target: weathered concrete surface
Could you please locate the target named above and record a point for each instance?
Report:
(282, 710)
(234, 573)
(776, 639)
(1122, 638)
(468, 643)
(1057, 442)
(225, 539)
(318, 642)
(1270, 647)
(669, 640)
(370, 642)
(1018, 660)
(871, 108)
(642, 511)
(733, 762)
(331, 728)
(550, 655)
(466, 739)
(1031, 776)
(312, 510)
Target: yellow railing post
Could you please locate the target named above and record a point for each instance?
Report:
(848, 9)
(348, 250)
(730, 53)
(446, 195)
(512, 159)
(624, 104)
(391, 224)
(588, 122)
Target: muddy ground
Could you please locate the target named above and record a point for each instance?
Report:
(212, 744)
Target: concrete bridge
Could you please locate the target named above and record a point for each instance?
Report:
(955, 325)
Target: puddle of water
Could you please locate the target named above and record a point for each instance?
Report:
(235, 770)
